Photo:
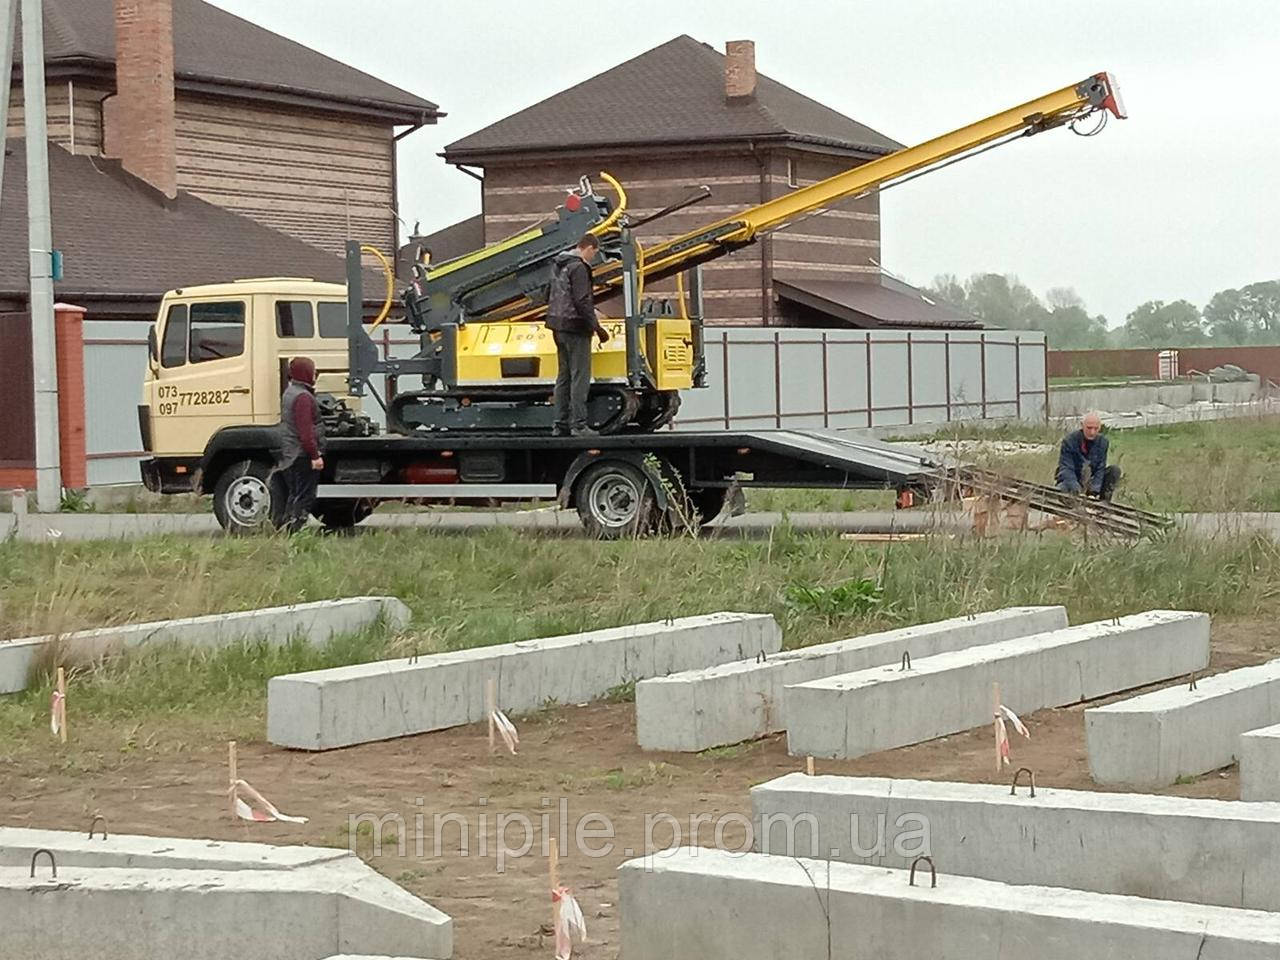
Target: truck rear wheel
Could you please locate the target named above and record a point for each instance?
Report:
(615, 500)
(248, 496)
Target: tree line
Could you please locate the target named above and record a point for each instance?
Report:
(1249, 315)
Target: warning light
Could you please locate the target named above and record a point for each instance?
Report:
(573, 203)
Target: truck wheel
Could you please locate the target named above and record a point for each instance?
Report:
(248, 496)
(341, 514)
(615, 500)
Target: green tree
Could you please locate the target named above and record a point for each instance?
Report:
(948, 288)
(1068, 326)
(1227, 318)
(1159, 324)
(999, 300)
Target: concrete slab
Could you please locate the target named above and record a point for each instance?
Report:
(202, 900)
(1150, 741)
(698, 709)
(859, 713)
(319, 622)
(324, 709)
(1169, 848)
(17, 844)
(714, 905)
(1260, 764)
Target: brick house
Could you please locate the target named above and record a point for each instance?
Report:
(186, 146)
(251, 121)
(683, 115)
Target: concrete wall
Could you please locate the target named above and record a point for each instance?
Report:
(1077, 401)
(324, 709)
(698, 709)
(318, 622)
(1168, 848)
(1150, 741)
(859, 713)
(712, 905)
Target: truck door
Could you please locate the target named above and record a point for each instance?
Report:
(205, 378)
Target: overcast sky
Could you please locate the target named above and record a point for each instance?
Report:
(1179, 201)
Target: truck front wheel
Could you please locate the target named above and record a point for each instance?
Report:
(615, 500)
(248, 496)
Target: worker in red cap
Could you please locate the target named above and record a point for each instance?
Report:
(302, 441)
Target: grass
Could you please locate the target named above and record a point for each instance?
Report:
(498, 586)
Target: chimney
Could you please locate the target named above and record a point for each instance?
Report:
(139, 118)
(739, 69)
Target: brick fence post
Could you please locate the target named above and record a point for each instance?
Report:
(69, 349)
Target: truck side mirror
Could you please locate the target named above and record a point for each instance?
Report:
(152, 350)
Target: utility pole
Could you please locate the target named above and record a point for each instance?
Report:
(9, 24)
(40, 242)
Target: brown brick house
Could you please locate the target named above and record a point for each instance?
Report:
(679, 116)
(259, 125)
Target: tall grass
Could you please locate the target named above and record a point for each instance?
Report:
(498, 586)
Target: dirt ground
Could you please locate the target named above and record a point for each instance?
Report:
(585, 755)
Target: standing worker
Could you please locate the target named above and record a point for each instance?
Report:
(571, 317)
(1082, 461)
(302, 442)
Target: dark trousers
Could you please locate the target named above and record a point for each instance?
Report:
(573, 379)
(300, 483)
(1069, 483)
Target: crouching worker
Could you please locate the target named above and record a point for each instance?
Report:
(302, 441)
(1082, 461)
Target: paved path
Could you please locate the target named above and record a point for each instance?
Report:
(112, 526)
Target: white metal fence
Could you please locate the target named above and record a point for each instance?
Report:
(759, 379)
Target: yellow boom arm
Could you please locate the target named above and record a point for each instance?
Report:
(724, 236)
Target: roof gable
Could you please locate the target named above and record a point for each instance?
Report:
(215, 47)
(673, 93)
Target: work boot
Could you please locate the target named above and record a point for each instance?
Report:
(585, 432)
(560, 431)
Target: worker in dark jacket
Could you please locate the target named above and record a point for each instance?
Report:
(571, 316)
(1082, 461)
(302, 442)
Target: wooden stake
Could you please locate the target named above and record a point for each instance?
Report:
(553, 872)
(62, 704)
(490, 705)
(232, 776)
(808, 765)
(995, 721)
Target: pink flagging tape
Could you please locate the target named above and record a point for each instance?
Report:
(57, 712)
(507, 729)
(264, 812)
(571, 921)
(1002, 735)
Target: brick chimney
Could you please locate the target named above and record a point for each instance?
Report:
(139, 118)
(739, 69)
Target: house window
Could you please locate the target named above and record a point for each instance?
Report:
(333, 319)
(293, 319)
(173, 351)
(791, 174)
(217, 330)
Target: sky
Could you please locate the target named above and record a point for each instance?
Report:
(1177, 202)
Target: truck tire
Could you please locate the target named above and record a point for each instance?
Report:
(249, 496)
(615, 500)
(340, 515)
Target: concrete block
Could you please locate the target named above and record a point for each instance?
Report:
(1150, 741)
(151, 897)
(860, 713)
(715, 905)
(324, 709)
(319, 622)
(1260, 764)
(17, 844)
(1170, 848)
(698, 709)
